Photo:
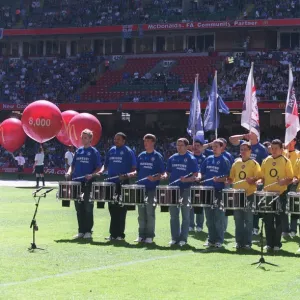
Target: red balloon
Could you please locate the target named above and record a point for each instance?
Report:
(12, 135)
(42, 120)
(63, 135)
(81, 122)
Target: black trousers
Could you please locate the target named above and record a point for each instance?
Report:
(117, 215)
(273, 225)
(85, 210)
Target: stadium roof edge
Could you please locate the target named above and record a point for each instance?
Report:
(153, 27)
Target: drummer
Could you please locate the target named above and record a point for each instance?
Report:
(244, 172)
(119, 161)
(150, 167)
(85, 165)
(215, 167)
(277, 174)
(183, 167)
(292, 154)
(198, 152)
(296, 188)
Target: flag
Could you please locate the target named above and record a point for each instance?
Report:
(250, 116)
(215, 105)
(141, 30)
(195, 126)
(291, 111)
(127, 31)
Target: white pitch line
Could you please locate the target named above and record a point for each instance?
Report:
(124, 264)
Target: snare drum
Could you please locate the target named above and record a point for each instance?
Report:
(133, 194)
(267, 202)
(293, 204)
(68, 191)
(234, 199)
(103, 191)
(202, 196)
(167, 195)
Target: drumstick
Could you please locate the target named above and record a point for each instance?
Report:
(239, 181)
(211, 179)
(276, 182)
(114, 177)
(273, 200)
(146, 178)
(263, 199)
(78, 178)
(180, 178)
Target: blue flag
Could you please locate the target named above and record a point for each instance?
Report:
(215, 105)
(127, 31)
(195, 126)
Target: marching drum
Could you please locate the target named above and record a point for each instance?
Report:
(293, 204)
(202, 196)
(68, 191)
(267, 202)
(103, 191)
(166, 196)
(133, 194)
(234, 199)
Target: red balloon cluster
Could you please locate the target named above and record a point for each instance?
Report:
(81, 122)
(42, 120)
(63, 135)
(12, 135)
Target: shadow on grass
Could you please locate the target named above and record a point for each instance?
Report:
(154, 246)
(202, 236)
(82, 241)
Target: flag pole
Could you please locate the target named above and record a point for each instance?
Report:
(216, 112)
(252, 84)
(195, 111)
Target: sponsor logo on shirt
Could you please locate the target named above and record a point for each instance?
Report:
(83, 160)
(146, 165)
(116, 159)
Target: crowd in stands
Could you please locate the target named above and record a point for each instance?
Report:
(270, 75)
(277, 9)
(87, 13)
(58, 79)
(148, 78)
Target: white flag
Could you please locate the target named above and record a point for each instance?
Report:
(291, 111)
(250, 116)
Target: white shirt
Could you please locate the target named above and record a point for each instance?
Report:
(39, 158)
(20, 160)
(69, 156)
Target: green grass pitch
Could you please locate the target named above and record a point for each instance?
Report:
(70, 269)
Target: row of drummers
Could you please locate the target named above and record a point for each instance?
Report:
(166, 195)
(275, 174)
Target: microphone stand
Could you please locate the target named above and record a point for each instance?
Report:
(262, 259)
(33, 223)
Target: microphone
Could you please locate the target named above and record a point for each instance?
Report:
(48, 191)
(36, 191)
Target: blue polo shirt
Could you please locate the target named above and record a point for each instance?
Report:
(181, 165)
(258, 152)
(149, 164)
(200, 159)
(215, 166)
(227, 155)
(85, 161)
(119, 161)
